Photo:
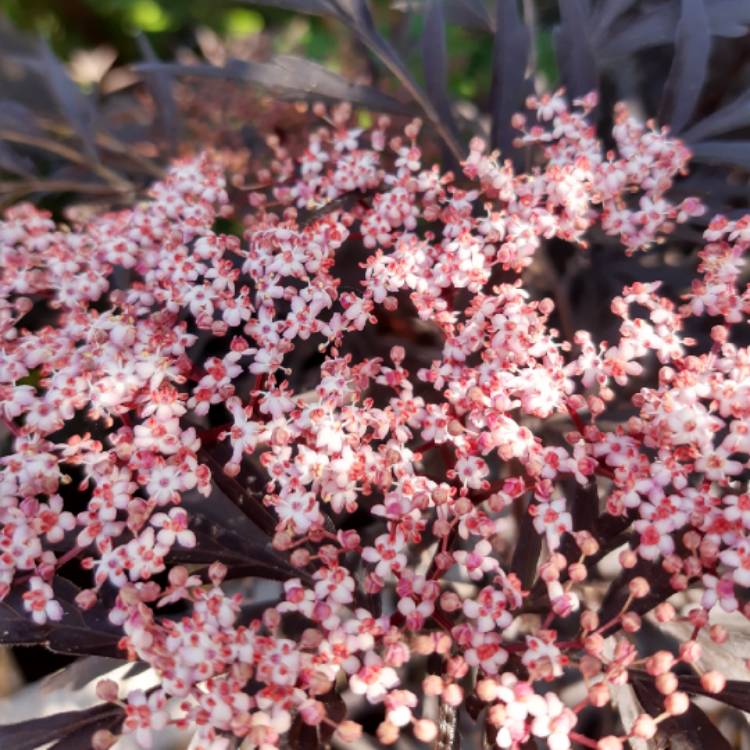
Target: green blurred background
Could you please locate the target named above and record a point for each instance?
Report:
(70, 25)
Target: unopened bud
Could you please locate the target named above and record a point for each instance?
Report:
(676, 704)
(644, 727)
(713, 681)
(425, 730)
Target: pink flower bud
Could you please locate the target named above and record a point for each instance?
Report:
(713, 681)
(666, 683)
(107, 691)
(387, 733)
(644, 727)
(676, 704)
(349, 731)
(425, 730)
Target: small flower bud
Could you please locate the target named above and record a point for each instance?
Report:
(676, 703)
(609, 743)
(631, 622)
(300, 558)
(666, 683)
(690, 652)
(349, 731)
(486, 690)
(594, 644)
(217, 572)
(387, 733)
(639, 587)
(496, 715)
(453, 695)
(103, 739)
(107, 691)
(432, 685)
(599, 695)
(312, 712)
(713, 681)
(718, 634)
(589, 621)
(644, 727)
(590, 666)
(577, 572)
(665, 612)
(659, 663)
(425, 730)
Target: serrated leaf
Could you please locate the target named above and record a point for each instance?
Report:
(69, 725)
(573, 50)
(510, 55)
(689, 66)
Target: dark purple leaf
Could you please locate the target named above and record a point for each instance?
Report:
(573, 50)
(731, 153)
(526, 554)
(290, 78)
(689, 66)
(79, 632)
(584, 506)
(335, 711)
(76, 108)
(302, 736)
(435, 60)
(469, 14)
(159, 85)
(249, 558)
(85, 670)
(728, 18)
(692, 730)
(14, 163)
(357, 17)
(310, 7)
(510, 55)
(607, 13)
(618, 591)
(654, 26)
(59, 728)
(735, 693)
(733, 116)
(244, 490)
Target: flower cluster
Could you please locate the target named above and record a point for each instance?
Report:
(390, 485)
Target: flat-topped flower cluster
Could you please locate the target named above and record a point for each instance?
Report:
(390, 486)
